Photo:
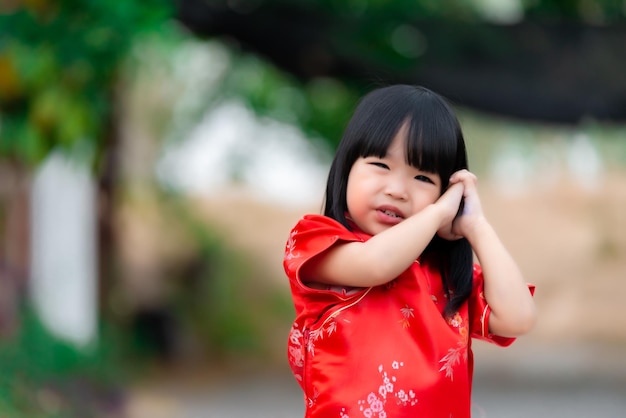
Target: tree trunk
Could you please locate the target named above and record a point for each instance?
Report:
(15, 184)
(107, 171)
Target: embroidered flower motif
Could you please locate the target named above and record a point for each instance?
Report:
(297, 356)
(313, 400)
(295, 335)
(329, 327)
(310, 346)
(456, 320)
(406, 314)
(290, 246)
(453, 358)
(296, 350)
(374, 405)
(405, 397)
(291, 256)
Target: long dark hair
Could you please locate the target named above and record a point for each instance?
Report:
(434, 144)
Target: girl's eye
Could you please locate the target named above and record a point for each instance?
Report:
(426, 179)
(381, 165)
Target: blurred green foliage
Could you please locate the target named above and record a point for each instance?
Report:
(43, 376)
(59, 62)
(321, 107)
(178, 80)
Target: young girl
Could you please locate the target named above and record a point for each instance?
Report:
(386, 294)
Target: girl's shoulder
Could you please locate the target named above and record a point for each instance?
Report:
(320, 225)
(314, 219)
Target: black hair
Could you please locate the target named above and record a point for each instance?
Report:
(434, 144)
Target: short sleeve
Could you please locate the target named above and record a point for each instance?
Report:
(480, 311)
(311, 236)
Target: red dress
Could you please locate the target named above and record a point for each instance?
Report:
(384, 351)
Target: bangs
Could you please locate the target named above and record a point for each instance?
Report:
(432, 144)
(378, 136)
(434, 139)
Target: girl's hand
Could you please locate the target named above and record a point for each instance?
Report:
(472, 214)
(512, 307)
(450, 202)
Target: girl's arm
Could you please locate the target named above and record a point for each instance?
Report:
(387, 254)
(512, 306)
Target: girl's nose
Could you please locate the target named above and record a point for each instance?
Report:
(396, 188)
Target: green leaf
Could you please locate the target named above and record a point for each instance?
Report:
(30, 146)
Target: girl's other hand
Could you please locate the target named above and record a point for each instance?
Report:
(472, 213)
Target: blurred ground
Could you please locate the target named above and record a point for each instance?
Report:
(518, 382)
(568, 241)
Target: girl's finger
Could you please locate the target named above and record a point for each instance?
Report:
(461, 175)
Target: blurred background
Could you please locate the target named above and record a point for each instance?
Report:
(155, 154)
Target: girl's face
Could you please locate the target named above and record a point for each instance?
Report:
(382, 192)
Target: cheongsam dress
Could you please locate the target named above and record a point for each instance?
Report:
(386, 351)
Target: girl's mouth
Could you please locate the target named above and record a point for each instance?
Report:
(391, 213)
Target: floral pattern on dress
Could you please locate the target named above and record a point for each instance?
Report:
(407, 313)
(452, 358)
(457, 322)
(455, 354)
(291, 244)
(311, 401)
(356, 387)
(301, 340)
(328, 327)
(296, 350)
(374, 405)
(290, 254)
